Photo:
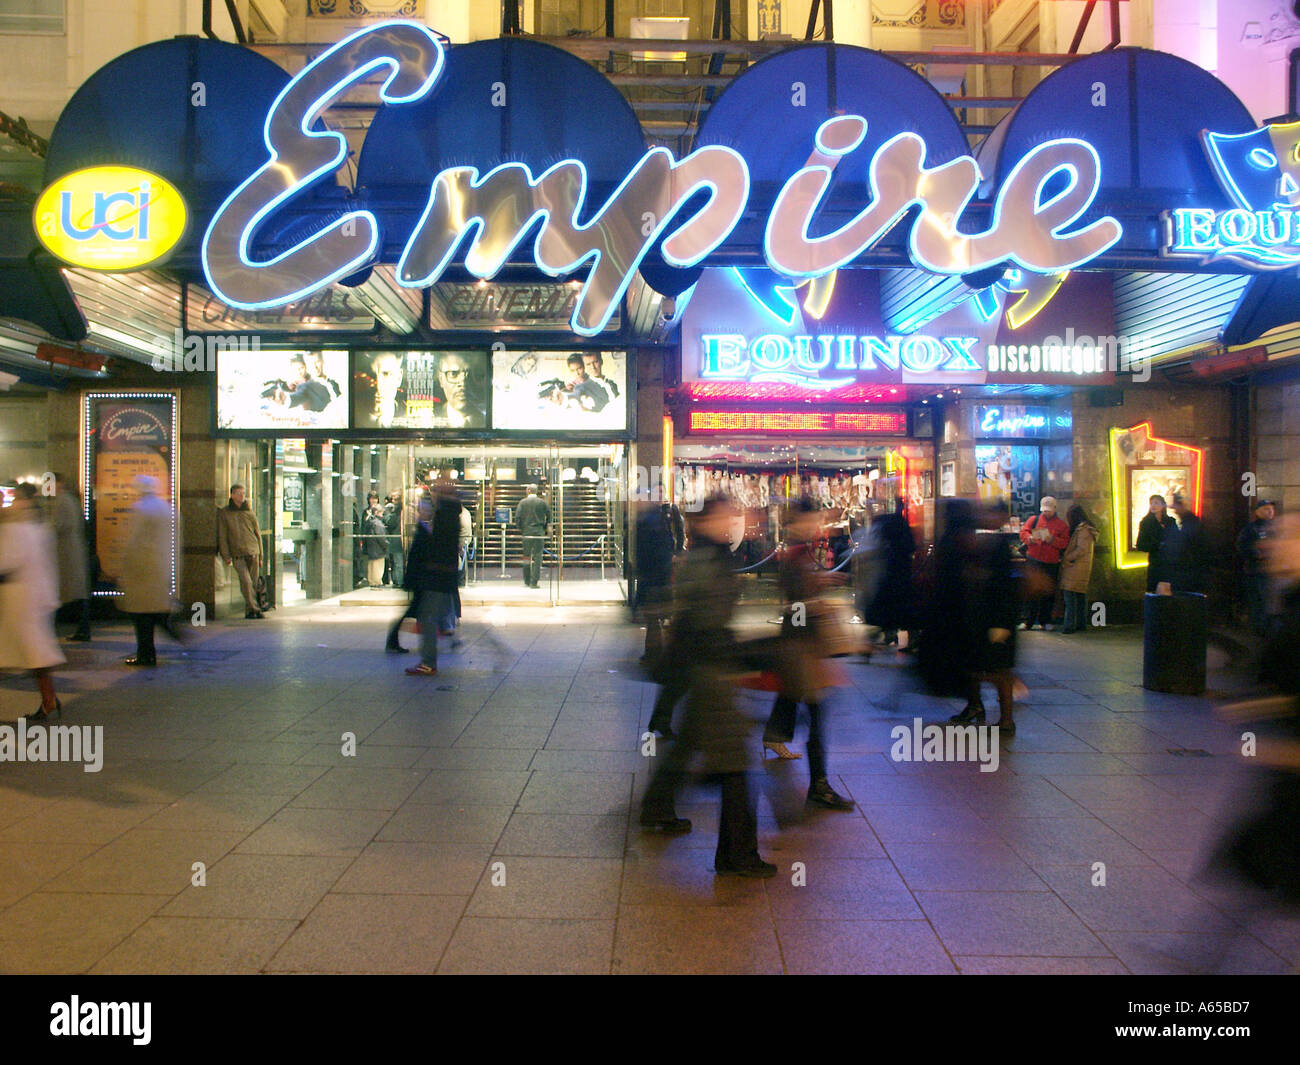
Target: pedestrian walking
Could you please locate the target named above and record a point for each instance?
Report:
(707, 591)
(1250, 549)
(532, 516)
(431, 577)
(969, 635)
(29, 596)
(146, 578)
(654, 571)
(1076, 568)
(892, 606)
(239, 542)
(1045, 537)
(806, 673)
(69, 521)
(1151, 538)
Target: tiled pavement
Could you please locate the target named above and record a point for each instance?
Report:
(487, 820)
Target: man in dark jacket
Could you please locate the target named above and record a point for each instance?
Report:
(431, 570)
(707, 591)
(654, 570)
(532, 516)
(1186, 550)
(393, 527)
(1250, 546)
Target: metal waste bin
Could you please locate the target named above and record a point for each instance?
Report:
(1175, 628)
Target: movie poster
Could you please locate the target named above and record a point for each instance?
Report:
(559, 391)
(126, 437)
(419, 390)
(288, 390)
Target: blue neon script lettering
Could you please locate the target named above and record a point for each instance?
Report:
(301, 155)
(496, 211)
(502, 207)
(992, 423)
(1026, 229)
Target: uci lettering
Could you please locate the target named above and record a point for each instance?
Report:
(496, 211)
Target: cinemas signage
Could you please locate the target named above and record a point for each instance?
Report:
(1044, 194)
(886, 422)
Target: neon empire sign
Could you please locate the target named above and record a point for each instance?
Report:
(498, 209)
(1260, 172)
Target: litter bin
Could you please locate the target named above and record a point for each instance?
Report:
(1174, 640)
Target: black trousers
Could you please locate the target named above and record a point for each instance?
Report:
(738, 819)
(144, 627)
(780, 729)
(1039, 611)
(533, 546)
(411, 612)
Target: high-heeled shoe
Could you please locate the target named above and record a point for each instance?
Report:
(42, 714)
(972, 714)
(781, 751)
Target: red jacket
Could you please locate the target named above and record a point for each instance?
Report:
(1048, 551)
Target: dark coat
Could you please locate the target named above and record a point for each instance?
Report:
(1151, 537)
(1185, 552)
(654, 556)
(702, 643)
(892, 606)
(433, 562)
(376, 541)
(975, 591)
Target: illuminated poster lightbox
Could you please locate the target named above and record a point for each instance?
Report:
(559, 391)
(419, 390)
(282, 390)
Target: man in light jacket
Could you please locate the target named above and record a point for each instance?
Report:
(239, 542)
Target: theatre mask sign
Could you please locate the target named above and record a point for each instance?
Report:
(1260, 173)
(110, 218)
(685, 208)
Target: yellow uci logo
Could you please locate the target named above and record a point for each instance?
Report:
(111, 218)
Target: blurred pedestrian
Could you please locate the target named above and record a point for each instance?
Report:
(654, 571)
(806, 672)
(1186, 550)
(707, 591)
(69, 522)
(969, 634)
(892, 606)
(1076, 568)
(239, 542)
(1045, 537)
(29, 596)
(1151, 537)
(146, 578)
(1250, 549)
(431, 577)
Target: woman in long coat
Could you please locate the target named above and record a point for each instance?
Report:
(29, 596)
(1076, 568)
(146, 577)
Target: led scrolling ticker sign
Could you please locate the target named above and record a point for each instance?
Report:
(498, 210)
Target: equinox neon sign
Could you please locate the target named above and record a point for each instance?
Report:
(498, 210)
(802, 360)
